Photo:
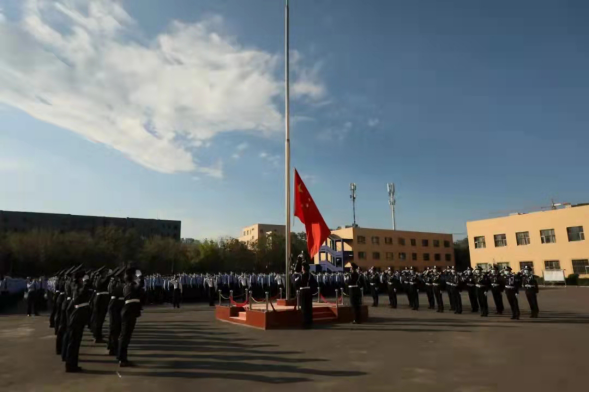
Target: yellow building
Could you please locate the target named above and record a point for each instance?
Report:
(546, 240)
(252, 233)
(385, 247)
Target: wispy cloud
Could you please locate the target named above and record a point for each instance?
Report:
(78, 65)
(215, 171)
(309, 179)
(239, 150)
(272, 159)
(335, 133)
(373, 122)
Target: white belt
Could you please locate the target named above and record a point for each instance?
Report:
(69, 298)
(470, 285)
(81, 305)
(352, 286)
(56, 291)
(509, 286)
(495, 285)
(480, 286)
(372, 283)
(101, 293)
(114, 297)
(435, 284)
(529, 286)
(305, 288)
(132, 301)
(429, 285)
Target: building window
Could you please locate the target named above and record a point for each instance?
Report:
(552, 265)
(437, 257)
(523, 238)
(484, 266)
(547, 236)
(402, 256)
(361, 255)
(401, 241)
(529, 264)
(479, 242)
(425, 242)
(361, 240)
(446, 243)
(426, 257)
(501, 265)
(500, 240)
(414, 256)
(436, 243)
(448, 257)
(389, 256)
(388, 240)
(376, 255)
(575, 234)
(580, 266)
(413, 242)
(375, 240)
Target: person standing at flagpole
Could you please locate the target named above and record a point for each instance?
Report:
(317, 231)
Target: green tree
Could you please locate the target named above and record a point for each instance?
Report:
(462, 254)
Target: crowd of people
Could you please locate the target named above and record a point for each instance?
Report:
(11, 290)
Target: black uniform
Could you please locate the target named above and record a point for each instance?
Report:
(437, 281)
(531, 287)
(33, 289)
(132, 292)
(374, 284)
(482, 285)
(63, 320)
(303, 284)
(354, 282)
(78, 319)
(54, 303)
(456, 289)
(60, 297)
(100, 303)
(115, 306)
(470, 283)
(450, 289)
(497, 291)
(512, 282)
(392, 285)
(428, 280)
(210, 284)
(414, 282)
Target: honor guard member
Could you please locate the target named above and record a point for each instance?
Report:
(100, 304)
(512, 282)
(447, 274)
(132, 292)
(210, 284)
(354, 284)
(54, 299)
(59, 297)
(469, 281)
(60, 346)
(531, 286)
(482, 286)
(392, 283)
(406, 286)
(414, 289)
(374, 284)
(31, 295)
(437, 280)
(456, 289)
(497, 289)
(115, 306)
(78, 319)
(177, 291)
(429, 290)
(304, 285)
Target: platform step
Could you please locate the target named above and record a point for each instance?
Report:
(324, 319)
(241, 316)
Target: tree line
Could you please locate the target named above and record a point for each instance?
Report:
(44, 252)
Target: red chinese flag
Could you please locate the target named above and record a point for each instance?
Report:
(307, 212)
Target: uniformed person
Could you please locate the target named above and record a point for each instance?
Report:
(482, 286)
(210, 286)
(531, 287)
(449, 284)
(177, 291)
(429, 290)
(115, 306)
(437, 282)
(392, 281)
(374, 284)
(414, 288)
(456, 289)
(469, 281)
(100, 303)
(304, 284)
(512, 283)
(78, 319)
(497, 289)
(131, 311)
(353, 281)
(31, 295)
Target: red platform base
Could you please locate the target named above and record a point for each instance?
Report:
(285, 316)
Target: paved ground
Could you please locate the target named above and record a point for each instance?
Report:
(187, 349)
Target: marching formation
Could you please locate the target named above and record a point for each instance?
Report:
(475, 282)
(82, 298)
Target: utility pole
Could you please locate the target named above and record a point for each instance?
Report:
(392, 201)
(353, 198)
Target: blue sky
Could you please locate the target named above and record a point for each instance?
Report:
(174, 109)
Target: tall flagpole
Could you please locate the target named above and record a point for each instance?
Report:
(287, 148)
